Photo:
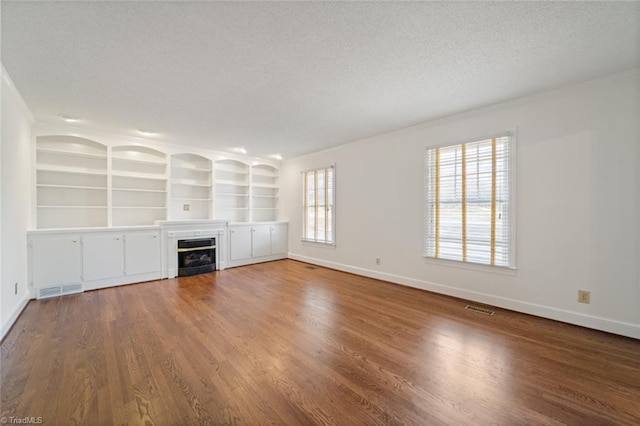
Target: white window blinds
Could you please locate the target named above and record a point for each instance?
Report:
(469, 202)
(318, 211)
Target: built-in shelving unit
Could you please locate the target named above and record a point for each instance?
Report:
(231, 191)
(71, 182)
(191, 182)
(95, 180)
(264, 193)
(138, 185)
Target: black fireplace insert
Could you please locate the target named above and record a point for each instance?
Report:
(196, 256)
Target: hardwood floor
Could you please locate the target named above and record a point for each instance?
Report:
(286, 343)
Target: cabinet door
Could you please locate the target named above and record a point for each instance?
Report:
(142, 253)
(261, 240)
(102, 257)
(240, 242)
(55, 261)
(279, 239)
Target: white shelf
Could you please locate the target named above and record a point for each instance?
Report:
(231, 182)
(264, 193)
(139, 179)
(71, 153)
(133, 185)
(265, 174)
(194, 169)
(230, 194)
(46, 185)
(71, 182)
(71, 207)
(140, 207)
(190, 184)
(138, 190)
(187, 183)
(139, 161)
(74, 170)
(230, 169)
(139, 175)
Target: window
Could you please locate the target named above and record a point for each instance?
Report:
(468, 203)
(318, 198)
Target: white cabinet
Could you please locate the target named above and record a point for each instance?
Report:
(62, 262)
(260, 241)
(55, 261)
(257, 242)
(239, 242)
(142, 253)
(279, 239)
(102, 257)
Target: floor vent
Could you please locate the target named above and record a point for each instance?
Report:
(479, 310)
(310, 267)
(44, 293)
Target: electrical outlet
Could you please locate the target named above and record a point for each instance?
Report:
(186, 207)
(584, 296)
(15, 289)
(377, 260)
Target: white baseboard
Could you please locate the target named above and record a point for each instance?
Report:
(12, 319)
(577, 318)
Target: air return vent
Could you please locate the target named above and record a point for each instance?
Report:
(479, 310)
(47, 292)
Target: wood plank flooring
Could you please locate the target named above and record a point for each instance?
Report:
(290, 344)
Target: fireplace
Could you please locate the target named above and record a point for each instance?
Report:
(196, 256)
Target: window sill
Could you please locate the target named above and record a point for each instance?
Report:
(318, 244)
(477, 267)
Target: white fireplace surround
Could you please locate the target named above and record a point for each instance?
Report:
(172, 231)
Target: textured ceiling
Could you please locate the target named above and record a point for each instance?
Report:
(297, 77)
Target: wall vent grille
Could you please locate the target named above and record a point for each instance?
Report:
(44, 293)
(479, 310)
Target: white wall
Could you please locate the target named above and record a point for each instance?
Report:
(15, 202)
(577, 206)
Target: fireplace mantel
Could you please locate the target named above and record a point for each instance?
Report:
(175, 230)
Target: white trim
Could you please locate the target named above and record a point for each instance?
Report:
(571, 317)
(471, 266)
(12, 319)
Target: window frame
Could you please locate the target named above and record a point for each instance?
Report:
(332, 207)
(512, 266)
